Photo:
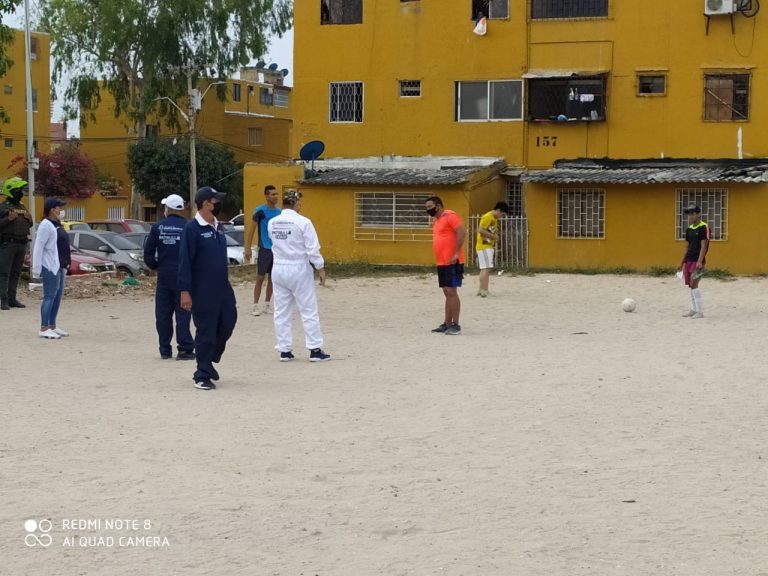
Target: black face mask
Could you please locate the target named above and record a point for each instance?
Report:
(17, 195)
(216, 210)
(432, 212)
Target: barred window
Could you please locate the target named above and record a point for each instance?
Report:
(281, 98)
(410, 88)
(235, 92)
(543, 9)
(726, 97)
(580, 213)
(391, 216)
(116, 213)
(495, 9)
(341, 11)
(346, 102)
(574, 98)
(515, 198)
(714, 210)
(266, 97)
(76, 213)
(651, 84)
(255, 136)
(489, 100)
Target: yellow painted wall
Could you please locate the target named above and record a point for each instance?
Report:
(640, 230)
(15, 131)
(433, 41)
(96, 207)
(332, 210)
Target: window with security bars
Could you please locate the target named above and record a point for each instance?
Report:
(391, 216)
(410, 88)
(116, 213)
(255, 137)
(544, 9)
(341, 11)
(266, 97)
(76, 213)
(651, 84)
(494, 9)
(515, 198)
(346, 102)
(281, 98)
(574, 98)
(726, 97)
(489, 100)
(581, 213)
(714, 210)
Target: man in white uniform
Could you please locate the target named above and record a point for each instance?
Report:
(296, 250)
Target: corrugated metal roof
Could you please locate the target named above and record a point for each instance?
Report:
(663, 171)
(394, 177)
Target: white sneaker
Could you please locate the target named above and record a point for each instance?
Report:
(60, 332)
(256, 310)
(268, 308)
(697, 315)
(689, 314)
(49, 335)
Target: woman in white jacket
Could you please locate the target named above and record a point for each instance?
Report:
(45, 265)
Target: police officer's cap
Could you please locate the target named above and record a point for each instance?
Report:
(207, 193)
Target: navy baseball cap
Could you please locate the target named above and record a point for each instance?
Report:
(207, 193)
(692, 209)
(51, 203)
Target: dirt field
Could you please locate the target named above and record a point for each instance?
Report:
(556, 436)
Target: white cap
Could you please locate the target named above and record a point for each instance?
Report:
(174, 202)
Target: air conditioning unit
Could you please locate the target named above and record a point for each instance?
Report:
(720, 7)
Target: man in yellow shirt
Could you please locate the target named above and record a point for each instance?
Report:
(487, 236)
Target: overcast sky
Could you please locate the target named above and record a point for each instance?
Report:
(280, 52)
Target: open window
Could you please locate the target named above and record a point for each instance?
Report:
(495, 9)
(726, 97)
(341, 11)
(572, 98)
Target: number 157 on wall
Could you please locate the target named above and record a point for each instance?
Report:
(546, 141)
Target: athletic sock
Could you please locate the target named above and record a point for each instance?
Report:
(697, 305)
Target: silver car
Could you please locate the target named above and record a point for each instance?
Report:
(126, 254)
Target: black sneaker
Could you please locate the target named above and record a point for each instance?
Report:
(453, 330)
(215, 375)
(441, 329)
(13, 303)
(286, 356)
(4, 304)
(166, 356)
(317, 355)
(185, 356)
(205, 385)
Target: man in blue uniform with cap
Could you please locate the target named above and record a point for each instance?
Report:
(161, 253)
(204, 285)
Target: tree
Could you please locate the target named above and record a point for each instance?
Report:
(160, 166)
(6, 38)
(66, 172)
(139, 50)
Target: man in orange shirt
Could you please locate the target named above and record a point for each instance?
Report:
(448, 243)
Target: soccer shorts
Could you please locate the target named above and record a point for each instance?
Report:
(450, 276)
(485, 258)
(264, 265)
(688, 269)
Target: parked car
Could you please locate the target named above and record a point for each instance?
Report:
(82, 263)
(74, 225)
(235, 252)
(120, 226)
(127, 256)
(238, 222)
(139, 237)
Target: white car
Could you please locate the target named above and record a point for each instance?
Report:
(238, 222)
(235, 252)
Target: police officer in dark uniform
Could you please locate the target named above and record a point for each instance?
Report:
(204, 285)
(15, 224)
(161, 253)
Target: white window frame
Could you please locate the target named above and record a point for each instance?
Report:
(362, 101)
(601, 204)
(116, 213)
(76, 213)
(392, 231)
(488, 93)
(258, 130)
(281, 98)
(707, 200)
(401, 83)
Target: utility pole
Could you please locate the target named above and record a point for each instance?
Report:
(31, 159)
(193, 95)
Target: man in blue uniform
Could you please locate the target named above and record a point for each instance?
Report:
(161, 253)
(204, 285)
(261, 217)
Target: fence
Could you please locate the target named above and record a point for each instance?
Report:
(512, 247)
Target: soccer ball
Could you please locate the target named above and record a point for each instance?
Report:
(628, 305)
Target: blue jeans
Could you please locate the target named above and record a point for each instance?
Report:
(53, 290)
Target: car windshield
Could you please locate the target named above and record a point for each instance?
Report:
(237, 236)
(79, 227)
(119, 242)
(139, 226)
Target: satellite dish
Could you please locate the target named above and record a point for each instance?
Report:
(310, 152)
(285, 72)
(273, 67)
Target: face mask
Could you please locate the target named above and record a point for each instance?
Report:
(62, 213)
(216, 210)
(432, 211)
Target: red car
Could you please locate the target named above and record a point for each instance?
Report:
(120, 226)
(82, 263)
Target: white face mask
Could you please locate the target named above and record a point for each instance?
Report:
(62, 214)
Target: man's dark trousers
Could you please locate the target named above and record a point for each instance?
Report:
(215, 321)
(168, 303)
(11, 263)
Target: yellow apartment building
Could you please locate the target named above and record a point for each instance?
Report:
(254, 121)
(13, 135)
(555, 80)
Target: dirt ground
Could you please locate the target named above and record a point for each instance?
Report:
(557, 436)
